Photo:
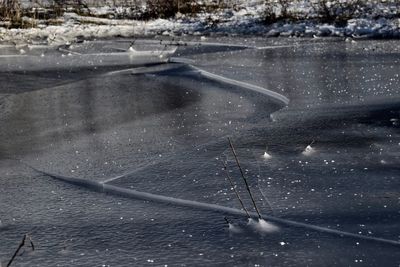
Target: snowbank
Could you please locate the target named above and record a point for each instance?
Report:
(247, 19)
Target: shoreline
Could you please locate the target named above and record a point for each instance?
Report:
(75, 28)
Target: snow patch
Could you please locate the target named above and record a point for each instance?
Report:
(266, 155)
(234, 229)
(262, 226)
(308, 151)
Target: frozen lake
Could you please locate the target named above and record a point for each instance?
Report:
(94, 112)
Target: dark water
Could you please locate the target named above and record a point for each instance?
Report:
(167, 130)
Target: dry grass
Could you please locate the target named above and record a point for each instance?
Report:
(276, 10)
(169, 8)
(339, 12)
(10, 12)
(325, 11)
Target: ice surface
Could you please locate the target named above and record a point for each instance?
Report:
(160, 130)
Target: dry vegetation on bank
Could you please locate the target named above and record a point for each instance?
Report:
(330, 11)
(14, 14)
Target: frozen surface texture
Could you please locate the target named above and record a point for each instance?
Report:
(94, 111)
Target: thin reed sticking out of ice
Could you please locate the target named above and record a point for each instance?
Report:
(262, 226)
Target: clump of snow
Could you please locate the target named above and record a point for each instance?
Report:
(308, 151)
(234, 229)
(262, 226)
(266, 155)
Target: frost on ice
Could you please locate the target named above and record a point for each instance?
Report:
(308, 151)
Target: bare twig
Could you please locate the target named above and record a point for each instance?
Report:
(20, 246)
(227, 221)
(31, 242)
(234, 188)
(244, 178)
(18, 249)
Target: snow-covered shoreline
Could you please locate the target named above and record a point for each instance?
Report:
(245, 21)
(71, 32)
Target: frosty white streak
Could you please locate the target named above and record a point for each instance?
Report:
(155, 68)
(130, 193)
(276, 96)
(11, 56)
(177, 63)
